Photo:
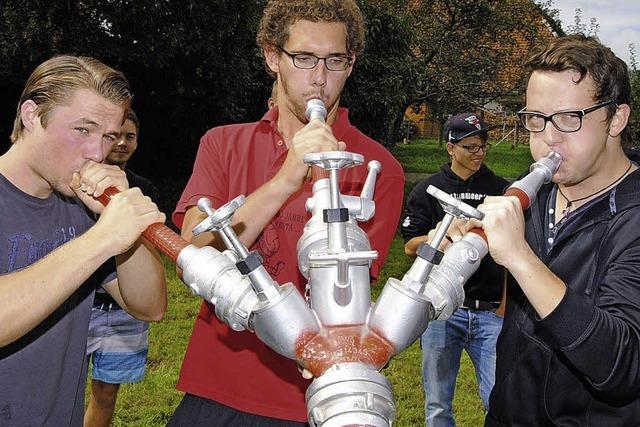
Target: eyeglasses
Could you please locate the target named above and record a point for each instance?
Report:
(307, 61)
(473, 149)
(564, 121)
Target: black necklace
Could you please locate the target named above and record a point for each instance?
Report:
(567, 209)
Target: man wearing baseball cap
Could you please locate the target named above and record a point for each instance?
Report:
(476, 325)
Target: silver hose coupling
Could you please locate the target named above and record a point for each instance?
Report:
(350, 394)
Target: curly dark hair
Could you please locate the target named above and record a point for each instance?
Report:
(588, 57)
(279, 15)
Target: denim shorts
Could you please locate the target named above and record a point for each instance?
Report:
(117, 344)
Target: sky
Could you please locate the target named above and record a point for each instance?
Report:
(619, 21)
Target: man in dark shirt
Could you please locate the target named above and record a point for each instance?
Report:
(569, 351)
(117, 342)
(475, 326)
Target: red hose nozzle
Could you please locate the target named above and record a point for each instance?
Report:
(159, 235)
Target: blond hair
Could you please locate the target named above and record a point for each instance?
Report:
(53, 82)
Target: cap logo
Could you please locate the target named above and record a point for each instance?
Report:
(473, 121)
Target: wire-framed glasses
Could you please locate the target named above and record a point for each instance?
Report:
(307, 61)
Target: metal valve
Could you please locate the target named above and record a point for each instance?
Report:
(453, 208)
(428, 253)
(249, 263)
(220, 220)
(367, 205)
(374, 167)
(330, 160)
(333, 161)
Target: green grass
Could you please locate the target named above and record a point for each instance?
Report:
(152, 401)
(426, 156)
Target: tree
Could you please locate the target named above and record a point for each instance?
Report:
(634, 74)
(192, 64)
(29, 33)
(385, 78)
(579, 27)
(470, 51)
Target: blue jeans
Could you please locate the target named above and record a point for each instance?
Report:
(476, 331)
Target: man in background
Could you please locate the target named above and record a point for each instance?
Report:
(475, 326)
(118, 342)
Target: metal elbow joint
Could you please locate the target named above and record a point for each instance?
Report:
(214, 276)
(445, 288)
(285, 323)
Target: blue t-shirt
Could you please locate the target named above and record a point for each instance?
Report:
(42, 374)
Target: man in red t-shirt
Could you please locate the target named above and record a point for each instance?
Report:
(232, 378)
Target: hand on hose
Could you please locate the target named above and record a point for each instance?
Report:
(93, 178)
(315, 137)
(456, 230)
(124, 219)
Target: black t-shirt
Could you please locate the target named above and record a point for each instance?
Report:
(424, 211)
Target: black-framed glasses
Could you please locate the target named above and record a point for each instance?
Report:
(307, 61)
(564, 121)
(473, 149)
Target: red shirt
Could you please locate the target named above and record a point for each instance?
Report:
(236, 368)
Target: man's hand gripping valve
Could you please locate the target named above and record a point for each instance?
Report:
(433, 287)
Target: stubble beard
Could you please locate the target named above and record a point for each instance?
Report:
(116, 161)
(299, 109)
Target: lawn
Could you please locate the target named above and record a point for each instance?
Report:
(151, 402)
(426, 156)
